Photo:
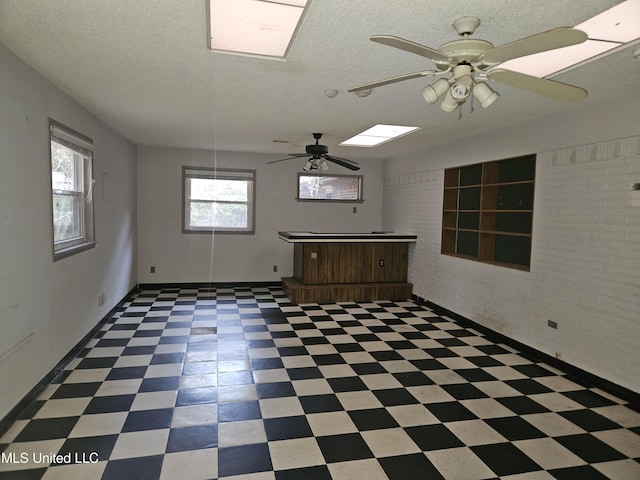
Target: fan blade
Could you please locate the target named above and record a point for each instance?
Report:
(343, 162)
(542, 86)
(290, 157)
(408, 76)
(409, 46)
(352, 162)
(556, 38)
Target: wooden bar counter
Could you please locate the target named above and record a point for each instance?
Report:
(348, 267)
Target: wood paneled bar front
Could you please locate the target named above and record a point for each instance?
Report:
(348, 267)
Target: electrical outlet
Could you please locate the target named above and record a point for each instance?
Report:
(314, 255)
(275, 268)
(552, 324)
(101, 299)
(381, 262)
(355, 209)
(152, 269)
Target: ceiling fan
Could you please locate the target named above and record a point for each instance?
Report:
(469, 58)
(319, 157)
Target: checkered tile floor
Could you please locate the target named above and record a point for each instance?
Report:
(240, 384)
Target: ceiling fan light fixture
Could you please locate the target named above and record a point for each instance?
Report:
(433, 92)
(468, 57)
(461, 89)
(449, 104)
(318, 156)
(484, 94)
(311, 166)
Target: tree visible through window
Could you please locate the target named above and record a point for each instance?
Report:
(341, 188)
(218, 200)
(71, 187)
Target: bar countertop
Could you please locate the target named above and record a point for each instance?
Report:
(378, 237)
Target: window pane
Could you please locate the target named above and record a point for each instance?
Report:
(471, 175)
(516, 250)
(218, 200)
(218, 215)
(71, 177)
(469, 198)
(329, 188)
(517, 169)
(515, 197)
(67, 215)
(219, 189)
(467, 244)
(469, 220)
(513, 222)
(63, 168)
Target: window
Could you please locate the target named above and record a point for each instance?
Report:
(336, 188)
(71, 188)
(488, 211)
(217, 200)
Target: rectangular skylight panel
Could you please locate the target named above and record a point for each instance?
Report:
(254, 26)
(378, 134)
(618, 24)
(364, 141)
(388, 131)
(546, 63)
(606, 31)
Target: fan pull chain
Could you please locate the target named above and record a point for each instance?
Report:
(473, 84)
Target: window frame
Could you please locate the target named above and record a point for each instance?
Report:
(495, 230)
(189, 172)
(360, 179)
(82, 194)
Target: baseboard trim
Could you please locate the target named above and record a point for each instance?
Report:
(575, 373)
(200, 285)
(15, 413)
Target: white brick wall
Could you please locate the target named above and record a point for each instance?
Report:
(585, 263)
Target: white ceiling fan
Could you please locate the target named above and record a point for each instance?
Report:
(468, 60)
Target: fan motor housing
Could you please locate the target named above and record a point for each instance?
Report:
(317, 149)
(466, 50)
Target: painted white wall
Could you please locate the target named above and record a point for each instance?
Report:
(585, 263)
(45, 307)
(180, 257)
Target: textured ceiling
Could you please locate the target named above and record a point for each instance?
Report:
(143, 67)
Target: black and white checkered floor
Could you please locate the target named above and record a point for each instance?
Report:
(237, 383)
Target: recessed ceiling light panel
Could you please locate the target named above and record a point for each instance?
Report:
(378, 134)
(547, 63)
(254, 27)
(618, 24)
(608, 30)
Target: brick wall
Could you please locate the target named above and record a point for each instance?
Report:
(585, 262)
